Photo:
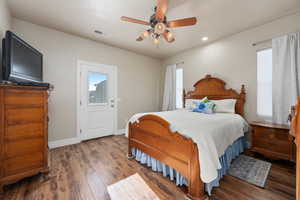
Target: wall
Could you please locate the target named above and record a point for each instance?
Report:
(233, 59)
(4, 26)
(139, 77)
(4, 18)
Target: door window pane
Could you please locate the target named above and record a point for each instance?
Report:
(264, 83)
(97, 88)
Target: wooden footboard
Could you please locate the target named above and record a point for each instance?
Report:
(153, 136)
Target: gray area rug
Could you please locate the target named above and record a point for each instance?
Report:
(250, 170)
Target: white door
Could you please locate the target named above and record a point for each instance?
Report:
(97, 100)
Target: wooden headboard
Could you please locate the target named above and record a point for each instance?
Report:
(214, 88)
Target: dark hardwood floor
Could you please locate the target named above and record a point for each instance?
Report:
(83, 171)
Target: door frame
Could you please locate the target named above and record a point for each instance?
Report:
(78, 95)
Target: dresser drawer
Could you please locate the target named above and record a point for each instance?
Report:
(23, 147)
(23, 97)
(22, 164)
(273, 146)
(24, 131)
(18, 116)
(271, 134)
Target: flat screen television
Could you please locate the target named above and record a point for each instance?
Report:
(21, 62)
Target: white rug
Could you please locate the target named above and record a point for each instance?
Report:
(131, 188)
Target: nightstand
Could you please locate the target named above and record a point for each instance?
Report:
(273, 141)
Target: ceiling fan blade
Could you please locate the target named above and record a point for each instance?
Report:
(132, 20)
(182, 22)
(167, 37)
(161, 9)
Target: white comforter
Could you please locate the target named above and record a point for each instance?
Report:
(213, 133)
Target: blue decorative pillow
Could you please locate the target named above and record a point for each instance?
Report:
(191, 104)
(205, 107)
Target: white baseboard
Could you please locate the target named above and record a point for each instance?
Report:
(75, 140)
(64, 142)
(121, 131)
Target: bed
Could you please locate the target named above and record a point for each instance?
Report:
(153, 135)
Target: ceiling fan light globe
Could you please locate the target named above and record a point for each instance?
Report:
(145, 34)
(156, 41)
(160, 28)
(170, 36)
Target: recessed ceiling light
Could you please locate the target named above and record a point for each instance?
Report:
(205, 38)
(98, 32)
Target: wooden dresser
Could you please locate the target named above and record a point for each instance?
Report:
(273, 141)
(23, 132)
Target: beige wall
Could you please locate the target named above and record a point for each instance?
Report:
(4, 26)
(138, 76)
(4, 18)
(233, 59)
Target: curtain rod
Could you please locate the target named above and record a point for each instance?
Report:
(261, 42)
(268, 40)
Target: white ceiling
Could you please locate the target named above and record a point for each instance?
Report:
(216, 19)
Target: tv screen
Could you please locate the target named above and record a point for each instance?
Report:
(22, 62)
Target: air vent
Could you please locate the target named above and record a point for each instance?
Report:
(98, 32)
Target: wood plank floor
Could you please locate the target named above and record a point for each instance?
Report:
(83, 171)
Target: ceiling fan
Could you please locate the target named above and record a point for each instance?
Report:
(159, 24)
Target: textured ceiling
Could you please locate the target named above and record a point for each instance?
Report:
(216, 19)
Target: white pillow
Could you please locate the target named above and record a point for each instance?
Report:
(191, 104)
(225, 105)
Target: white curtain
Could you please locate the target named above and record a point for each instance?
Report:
(169, 101)
(286, 75)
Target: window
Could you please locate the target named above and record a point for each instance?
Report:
(97, 88)
(179, 88)
(264, 83)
